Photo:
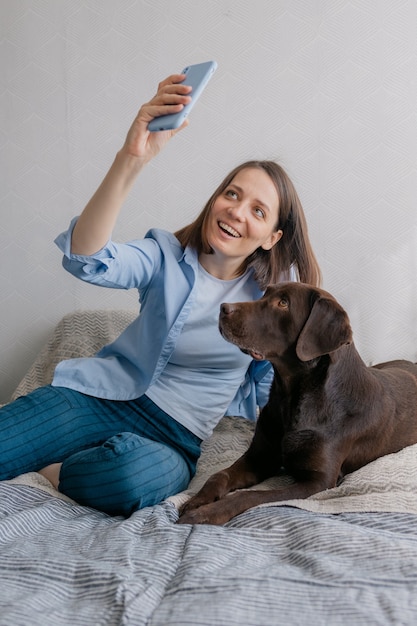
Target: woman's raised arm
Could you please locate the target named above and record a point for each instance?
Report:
(95, 225)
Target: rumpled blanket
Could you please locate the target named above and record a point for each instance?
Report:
(344, 556)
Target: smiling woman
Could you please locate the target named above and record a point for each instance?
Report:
(256, 201)
(122, 430)
(240, 222)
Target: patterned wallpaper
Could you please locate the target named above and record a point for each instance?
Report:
(328, 88)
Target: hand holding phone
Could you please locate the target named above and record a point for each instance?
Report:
(197, 76)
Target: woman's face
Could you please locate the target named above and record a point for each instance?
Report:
(245, 216)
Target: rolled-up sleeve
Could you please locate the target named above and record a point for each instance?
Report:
(119, 266)
(263, 377)
(253, 393)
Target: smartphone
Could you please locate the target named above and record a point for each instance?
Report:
(197, 76)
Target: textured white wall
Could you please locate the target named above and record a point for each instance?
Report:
(328, 88)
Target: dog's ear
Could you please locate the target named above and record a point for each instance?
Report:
(326, 330)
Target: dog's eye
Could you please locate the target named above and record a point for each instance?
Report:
(283, 303)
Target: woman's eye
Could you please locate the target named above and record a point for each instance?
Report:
(259, 212)
(231, 193)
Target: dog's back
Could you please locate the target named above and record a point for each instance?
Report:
(401, 364)
(398, 380)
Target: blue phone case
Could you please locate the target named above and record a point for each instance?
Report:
(197, 76)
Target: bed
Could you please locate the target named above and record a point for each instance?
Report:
(344, 556)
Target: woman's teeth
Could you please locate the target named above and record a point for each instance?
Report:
(228, 229)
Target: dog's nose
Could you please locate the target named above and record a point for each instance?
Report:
(226, 308)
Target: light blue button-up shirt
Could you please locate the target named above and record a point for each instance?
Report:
(165, 275)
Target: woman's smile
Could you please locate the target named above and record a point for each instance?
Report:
(229, 230)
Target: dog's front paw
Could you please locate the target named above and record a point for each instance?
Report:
(195, 502)
(214, 513)
(216, 487)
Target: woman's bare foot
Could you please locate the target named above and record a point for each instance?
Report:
(51, 473)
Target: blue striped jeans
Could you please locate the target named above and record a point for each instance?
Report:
(117, 456)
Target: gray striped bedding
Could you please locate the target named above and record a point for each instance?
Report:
(346, 556)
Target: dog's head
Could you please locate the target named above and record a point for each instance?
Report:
(291, 319)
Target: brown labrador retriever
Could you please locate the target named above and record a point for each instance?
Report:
(328, 414)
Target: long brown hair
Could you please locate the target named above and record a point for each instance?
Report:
(293, 250)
